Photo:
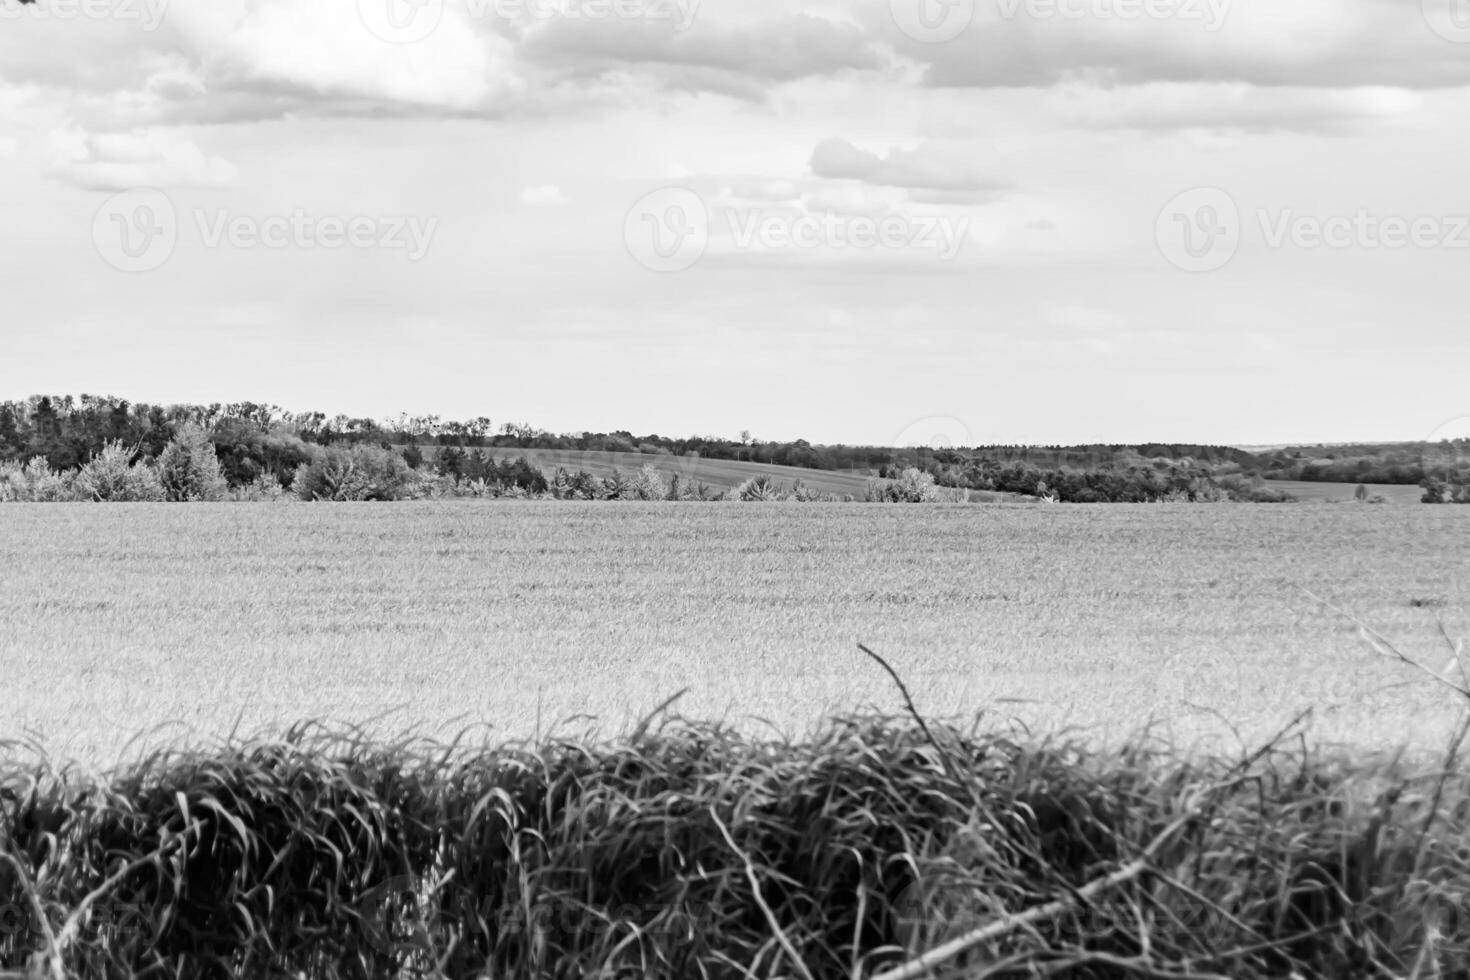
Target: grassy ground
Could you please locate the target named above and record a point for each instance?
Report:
(721, 473)
(881, 848)
(1396, 494)
(127, 619)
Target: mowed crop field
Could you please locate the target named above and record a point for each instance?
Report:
(722, 474)
(178, 622)
(1392, 493)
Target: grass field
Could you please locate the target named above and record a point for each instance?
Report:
(125, 618)
(1396, 494)
(724, 474)
(721, 473)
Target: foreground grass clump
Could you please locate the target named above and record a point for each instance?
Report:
(692, 850)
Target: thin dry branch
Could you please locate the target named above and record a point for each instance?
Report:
(1084, 895)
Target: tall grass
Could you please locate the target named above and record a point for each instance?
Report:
(691, 850)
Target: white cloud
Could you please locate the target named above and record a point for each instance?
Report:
(1079, 317)
(326, 49)
(547, 195)
(1226, 106)
(929, 167)
(119, 161)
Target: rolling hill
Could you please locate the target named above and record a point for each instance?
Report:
(724, 474)
(1343, 492)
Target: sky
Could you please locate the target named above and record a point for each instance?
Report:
(862, 221)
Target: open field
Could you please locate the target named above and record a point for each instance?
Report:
(1304, 492)
(124, 618)
(722, 473)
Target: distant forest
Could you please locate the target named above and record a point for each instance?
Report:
(259, 441)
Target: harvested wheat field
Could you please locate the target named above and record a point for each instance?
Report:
(177, 624)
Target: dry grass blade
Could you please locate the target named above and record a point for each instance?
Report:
(755, 886)
(1386, 647)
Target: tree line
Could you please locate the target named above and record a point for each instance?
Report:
(263, 449)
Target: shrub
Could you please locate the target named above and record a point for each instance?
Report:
(112, 477)
(648, 485)
(189, 468)
(913, 486)
(246, 451)
(618, 486)
(361, 472)
(35, 483)
(760, 489)
(263, 489)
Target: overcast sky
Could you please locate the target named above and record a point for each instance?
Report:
(855, 220)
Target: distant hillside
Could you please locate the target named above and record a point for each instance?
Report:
(1392, 493)
(722, 473)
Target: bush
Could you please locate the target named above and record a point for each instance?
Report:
(913, 486)
(113, 477)
(760, 489)
(648, 485)
(189, 468)
(35, 483)
(246, 451)
(361, 472)
(263, 489)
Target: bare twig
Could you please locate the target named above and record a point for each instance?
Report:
(944, 755)
(1084, 895)
(1385, 646)
(1010, 923)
